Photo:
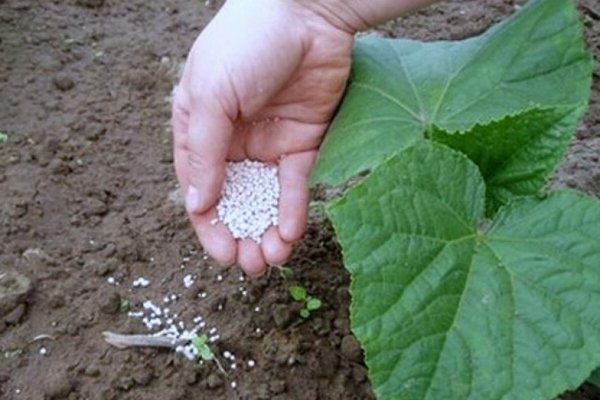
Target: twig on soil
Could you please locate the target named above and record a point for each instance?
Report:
(124, 341)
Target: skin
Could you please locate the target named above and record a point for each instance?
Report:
(262, 82)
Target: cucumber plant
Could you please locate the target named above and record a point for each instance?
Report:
(470, 279)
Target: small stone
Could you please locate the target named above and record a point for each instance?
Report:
(59, 388)
(359, 373)
(15, 316)
(57, 301)
(92, 371)
(14, 290)
(99, 268)
(38, 258)
(342, 325)
(94, 131)
(125, 383)
(110, 303)
(350, 348)
(63, 82)
(282, 315)
(214, 381)
(143, 377)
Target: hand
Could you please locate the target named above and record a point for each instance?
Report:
(261, 82)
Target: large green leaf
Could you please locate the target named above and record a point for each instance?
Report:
(401, 89)
(516, 154)
(447, 308)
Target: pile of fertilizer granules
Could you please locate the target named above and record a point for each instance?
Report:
(249, 199)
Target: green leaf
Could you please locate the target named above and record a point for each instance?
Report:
(298, 293)
(447, 311)
(304, 313)
(313, 304)
(205, 353)
(3, 137)
(517, 153)
(401, 90)
(286, 272)
(200, 343)
(594, 379)
(124, 306)
(199, 340)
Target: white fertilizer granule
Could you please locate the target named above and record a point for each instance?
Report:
(249, 199)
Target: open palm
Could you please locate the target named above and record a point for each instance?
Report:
(259, 83)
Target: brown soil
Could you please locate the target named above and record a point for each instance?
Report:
(86, 194)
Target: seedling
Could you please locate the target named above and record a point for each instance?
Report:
(125, 305)
(298, 293)
(285, 272)
(205, 353)
(3, 137)
(469, 279)
(200, 343)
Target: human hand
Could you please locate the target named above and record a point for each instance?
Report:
(261, 82)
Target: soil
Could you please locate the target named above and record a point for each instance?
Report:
(87, 198)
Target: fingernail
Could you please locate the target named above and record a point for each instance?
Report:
(192, 199)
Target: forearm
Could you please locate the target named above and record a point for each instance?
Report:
(356, 15)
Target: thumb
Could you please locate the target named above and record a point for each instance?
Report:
(209, 138)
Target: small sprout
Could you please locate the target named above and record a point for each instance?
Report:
(125, 305)
(3, 137)
(201, 345)
(298, 293)
(68, 43)
(285, 272)
(313, 304)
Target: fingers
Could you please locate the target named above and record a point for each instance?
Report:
(179, 122)
(200, 145)
(275, 250)
(208, 139)
(215, 237)
(250, 258)
(294, 170)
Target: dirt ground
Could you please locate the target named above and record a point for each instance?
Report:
(87, 206)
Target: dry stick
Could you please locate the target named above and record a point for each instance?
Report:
(124, 341)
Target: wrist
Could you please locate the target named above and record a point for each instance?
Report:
(356, 15)
(347, 15)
